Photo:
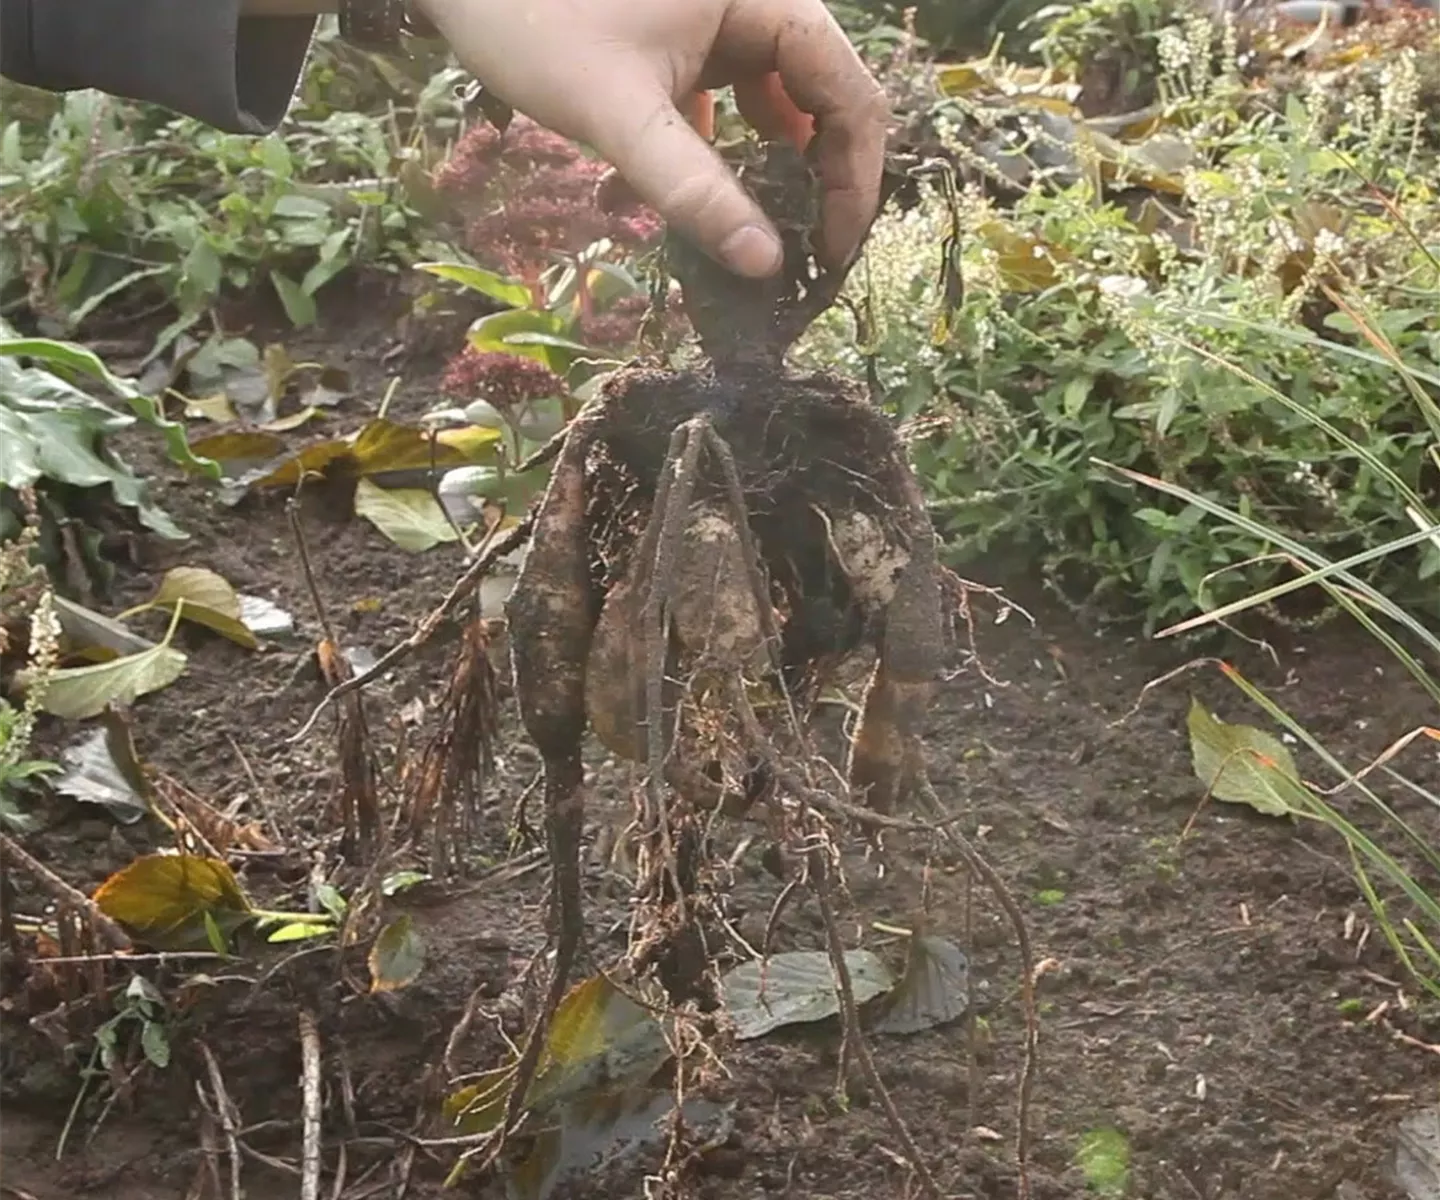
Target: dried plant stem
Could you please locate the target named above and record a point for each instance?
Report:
(66, 895)
(310, 1106)
(462, 591)
(228, 1117)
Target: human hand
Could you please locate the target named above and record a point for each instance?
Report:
(615, 74)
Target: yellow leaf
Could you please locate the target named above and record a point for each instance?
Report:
(159, 894)
(243, 444)
(215, 408)
(207, 599)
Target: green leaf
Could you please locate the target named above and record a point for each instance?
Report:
(493, 333)
(1243, 765)
(477, 279)
(410, 517)
(215, 935)
(299, 305)
(76, 360)
(400, 881)
(78, 693)
(331, 900)
(155, 1043)
(796, 988)
(397, 957)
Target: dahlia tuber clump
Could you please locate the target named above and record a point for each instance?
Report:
(712, 542)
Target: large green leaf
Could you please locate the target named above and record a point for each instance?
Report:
(78, 693)
(65, 358)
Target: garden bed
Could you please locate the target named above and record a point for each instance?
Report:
(1217, 1009)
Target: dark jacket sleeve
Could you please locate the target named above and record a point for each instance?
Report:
(197, 57)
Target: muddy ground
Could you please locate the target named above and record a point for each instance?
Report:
(1205, 998)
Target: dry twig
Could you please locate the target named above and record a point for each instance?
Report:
(310, 1084)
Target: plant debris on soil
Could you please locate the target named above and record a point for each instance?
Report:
(1218, 1017)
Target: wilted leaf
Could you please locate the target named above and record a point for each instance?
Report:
(798, 988)
(397, 957)
(77, 693)
(292, 420)
(934, 990)
(91, 775)
(381, 447)
(1024, 261)
(410, 517)
(598, 1036)
(478, 1107)
(1243, 765)
(202, 596)
(87, 632)
(1104, 1160)
(322, 387)
(163, 898)
(239, 452)
(316, 459)
(215, 408)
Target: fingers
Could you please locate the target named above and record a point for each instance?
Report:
(766, 105)
(674, 170)
(824, 76)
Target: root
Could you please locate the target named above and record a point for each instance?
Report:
(359, 798)
(854, 1037)
(822, 800)
(462, 591)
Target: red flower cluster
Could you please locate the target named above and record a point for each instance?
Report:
(506, 381)
(530, 194)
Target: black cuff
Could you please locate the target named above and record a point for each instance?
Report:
(196, 57)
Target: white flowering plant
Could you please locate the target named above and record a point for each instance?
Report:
(1109, 290)
(25, 598)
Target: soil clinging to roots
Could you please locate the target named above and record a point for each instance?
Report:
(712, 545)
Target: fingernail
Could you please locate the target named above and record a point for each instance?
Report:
(753, 251)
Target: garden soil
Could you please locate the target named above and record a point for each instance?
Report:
(1204, 996)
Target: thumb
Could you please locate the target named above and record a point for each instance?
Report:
(675, 171)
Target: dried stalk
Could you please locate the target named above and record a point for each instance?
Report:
(61, 891)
